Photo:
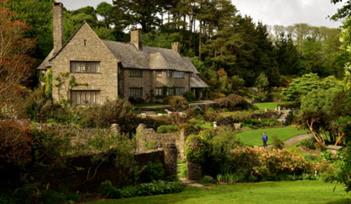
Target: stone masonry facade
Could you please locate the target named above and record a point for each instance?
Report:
(89, 70)
(86, 46)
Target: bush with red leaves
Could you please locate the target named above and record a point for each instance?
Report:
(15, 143)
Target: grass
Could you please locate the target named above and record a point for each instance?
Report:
(260, 193)
(268, 106)
(253, 137)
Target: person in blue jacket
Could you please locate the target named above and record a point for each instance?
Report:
(265, 139)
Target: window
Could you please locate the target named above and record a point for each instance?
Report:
(84, 97)
(178, 75)
(179, 91)
(158, 91)
(84, 67)
(136, 92)
(170, 92)
(159, 73)
(169, 73)
(136, 73)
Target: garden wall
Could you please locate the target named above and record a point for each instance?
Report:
(148, 139)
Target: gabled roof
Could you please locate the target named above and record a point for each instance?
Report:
(197, 82)
(146, 58)
(46, 63)
(149, 57)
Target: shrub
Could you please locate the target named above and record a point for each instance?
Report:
(167, 129)
(233, 102)
(118, 111)
(189, 95)
(309, 143)
(177, 103)
(40, 108)
(153, 171)
(196, 149)
(208, 180)
(261, 123)
(154, 188)
(216, 95)
(33, 193)
(15, 143)
(268, 164)
(288, 105)
(277, 143)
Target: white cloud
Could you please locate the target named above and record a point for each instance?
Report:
(271, 12)
(288, 12)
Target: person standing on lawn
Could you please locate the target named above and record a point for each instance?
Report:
(265, 139)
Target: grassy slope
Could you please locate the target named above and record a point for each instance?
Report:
(260, 193)
(253, 137)
(268, 106)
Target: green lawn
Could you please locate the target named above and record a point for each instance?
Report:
(253, 137)
(260, 193)
(268, 106)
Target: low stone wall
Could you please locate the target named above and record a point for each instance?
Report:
(148, 139)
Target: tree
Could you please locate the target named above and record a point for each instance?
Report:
(140, 12)
(343, 12)
(287, 55)
(316, 112)
(37, 15)
(15, 62)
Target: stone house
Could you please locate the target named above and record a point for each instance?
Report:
(89, 70)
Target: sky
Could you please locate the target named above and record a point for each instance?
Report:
(270, 12)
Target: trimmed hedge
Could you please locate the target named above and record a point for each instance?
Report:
(147, 189)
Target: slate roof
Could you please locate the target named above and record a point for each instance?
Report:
(197, 82)
(46, 63)
(149, 57)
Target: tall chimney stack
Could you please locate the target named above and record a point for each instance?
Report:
(135, 39)
(176, 47)
(57, 26)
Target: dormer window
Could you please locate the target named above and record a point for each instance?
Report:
(85, 67)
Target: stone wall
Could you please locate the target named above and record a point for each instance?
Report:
(148, 139)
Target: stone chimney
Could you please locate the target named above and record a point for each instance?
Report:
(176, 47)
(135, 39)
(57, 26)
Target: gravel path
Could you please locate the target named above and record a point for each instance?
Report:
(296, 140)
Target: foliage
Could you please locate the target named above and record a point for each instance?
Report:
(261, 123)
(103, 116)
(154, 171)
(301, 86)
(208, 180)
(31, 193)
(229, 118)
(15, 48)
(233, 102)
(55, 141)
(277, 143)
(196, 148)
(262, 81)
(15, 143)
(189, 95)
(147, 189)
(211, 149)
(177, 103)
(262, 164)
(309, 143)
(167, 129)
